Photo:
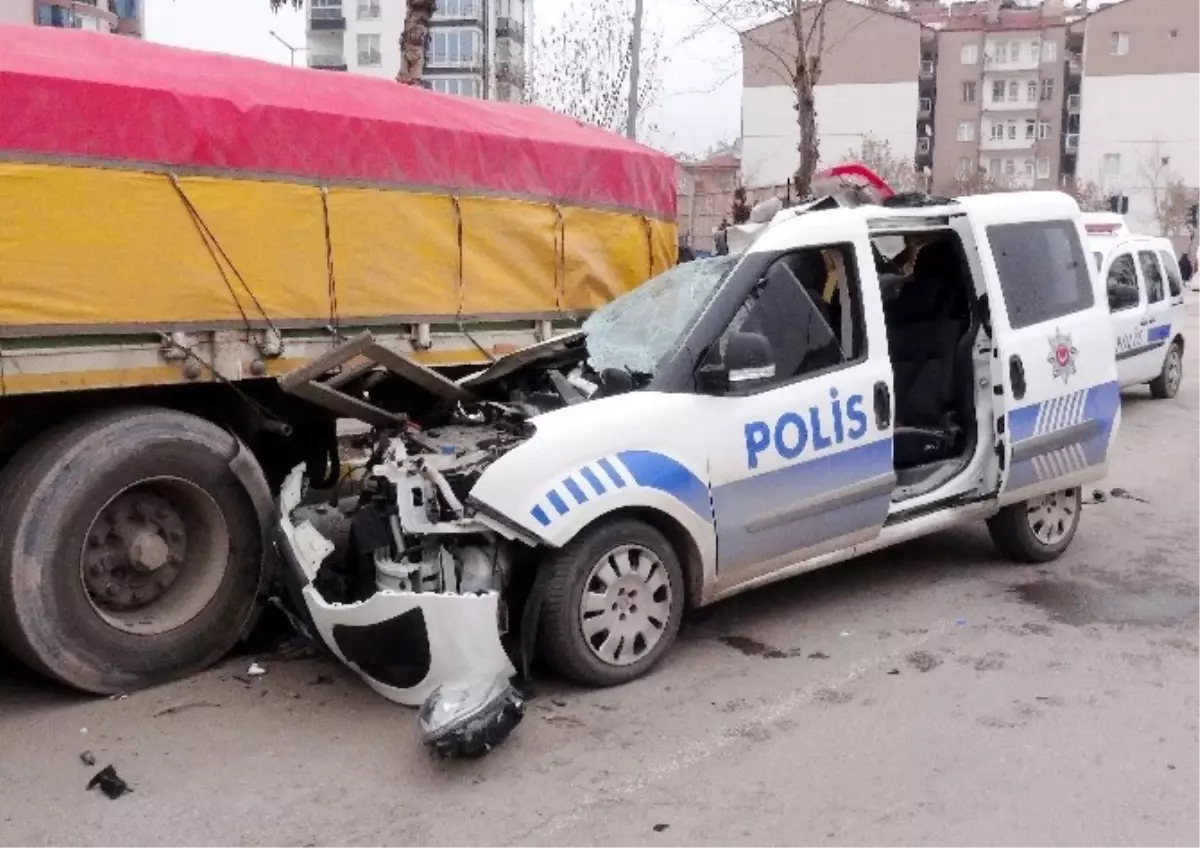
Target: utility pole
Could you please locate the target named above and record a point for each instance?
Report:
(635, 70)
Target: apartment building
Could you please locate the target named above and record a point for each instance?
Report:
(1002, 80)
(1139, 115)
(868, 88)
(476, 48)
(122, 17)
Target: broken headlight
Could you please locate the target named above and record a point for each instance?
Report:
(469, 719)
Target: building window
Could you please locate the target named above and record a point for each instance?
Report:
(1031, 91)
(965, 166)
(468, 9)
(1014, 51)
(1012, 130)
(1043, 169)
(368, 51)
(461, 86)
(125, 8)
(998, 92)
(968, 92)
(1010, 168)
(1112, 164)
(1049, 51)
(1035, 50)
(1030, 128)
(368, 10)
(1000, 54)
(1027, 168)
(966, 131)
(1014, 91)
(997, 132)
(55, 16)
(1047, 89)
(1118, 44)
(1043, 130)
(970, 54)
(454, 47)
(994, 167)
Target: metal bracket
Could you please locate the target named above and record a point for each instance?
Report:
(322, 380)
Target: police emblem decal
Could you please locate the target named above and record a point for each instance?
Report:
(1062, 355)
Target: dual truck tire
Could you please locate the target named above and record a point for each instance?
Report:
(130, 549)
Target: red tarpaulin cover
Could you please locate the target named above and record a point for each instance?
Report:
(77, 94)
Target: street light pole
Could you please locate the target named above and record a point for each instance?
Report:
(291, 49)
(635, 71)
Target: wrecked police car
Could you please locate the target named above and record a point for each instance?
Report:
(730, 423)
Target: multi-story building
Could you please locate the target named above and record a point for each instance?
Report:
(1000, 89)
(1139, 102)
(123, 17)
(475, 48)
(868, 88)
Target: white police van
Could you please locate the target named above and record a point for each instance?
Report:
(1145, 297)
(856, 378)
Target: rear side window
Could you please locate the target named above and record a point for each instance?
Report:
(1174, 279)
(1043, 270)
(1122, 284)
(1155, 288)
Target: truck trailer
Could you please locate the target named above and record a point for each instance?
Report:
(179, 231)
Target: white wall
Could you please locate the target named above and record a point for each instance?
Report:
(16, 11)
(1140, 118)
(845, 114)
(389, 26)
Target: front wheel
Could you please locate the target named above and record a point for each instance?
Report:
(1166, 384)
(1039, 529)
(613, 603)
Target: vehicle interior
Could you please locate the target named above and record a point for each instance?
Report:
(932, 318)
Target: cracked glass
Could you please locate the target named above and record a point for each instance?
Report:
(634, 332)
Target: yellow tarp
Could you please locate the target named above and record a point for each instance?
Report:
(86, 246)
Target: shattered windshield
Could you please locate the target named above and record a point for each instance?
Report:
(634, 332)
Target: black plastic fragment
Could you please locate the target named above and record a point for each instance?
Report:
(110, 784)
(485, 731)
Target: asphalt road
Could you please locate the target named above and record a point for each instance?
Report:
(927, 694)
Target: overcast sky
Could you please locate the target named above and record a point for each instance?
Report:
(699, 105)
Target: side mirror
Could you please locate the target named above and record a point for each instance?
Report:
(748, 360)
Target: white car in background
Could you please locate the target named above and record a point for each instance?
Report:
(1145, 299)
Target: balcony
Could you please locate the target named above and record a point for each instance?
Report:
(1074, 66)
(927, 67)
(327, 61)
(326, 19)
(924, 107)
(1071, 142)
(924, 146)
(510, 28)
(1074, 101)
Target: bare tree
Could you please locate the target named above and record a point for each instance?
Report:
(412, 40)
(1172, 208)
(979, 181)
(898, 172)
(1089, 195)
(581, 65)
(796, 60)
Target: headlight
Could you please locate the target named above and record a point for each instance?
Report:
(469, 719)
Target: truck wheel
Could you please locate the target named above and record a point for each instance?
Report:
(130, 553)
(613, 603)
(1166, 384)
(1039, 529)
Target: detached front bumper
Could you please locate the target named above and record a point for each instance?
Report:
(405, 645)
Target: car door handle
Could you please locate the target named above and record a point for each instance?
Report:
(883, 406)
(1016, 376)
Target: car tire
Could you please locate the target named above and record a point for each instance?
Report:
(1038, 529)
(1166, 385)
(80, 507)
(614, 565)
